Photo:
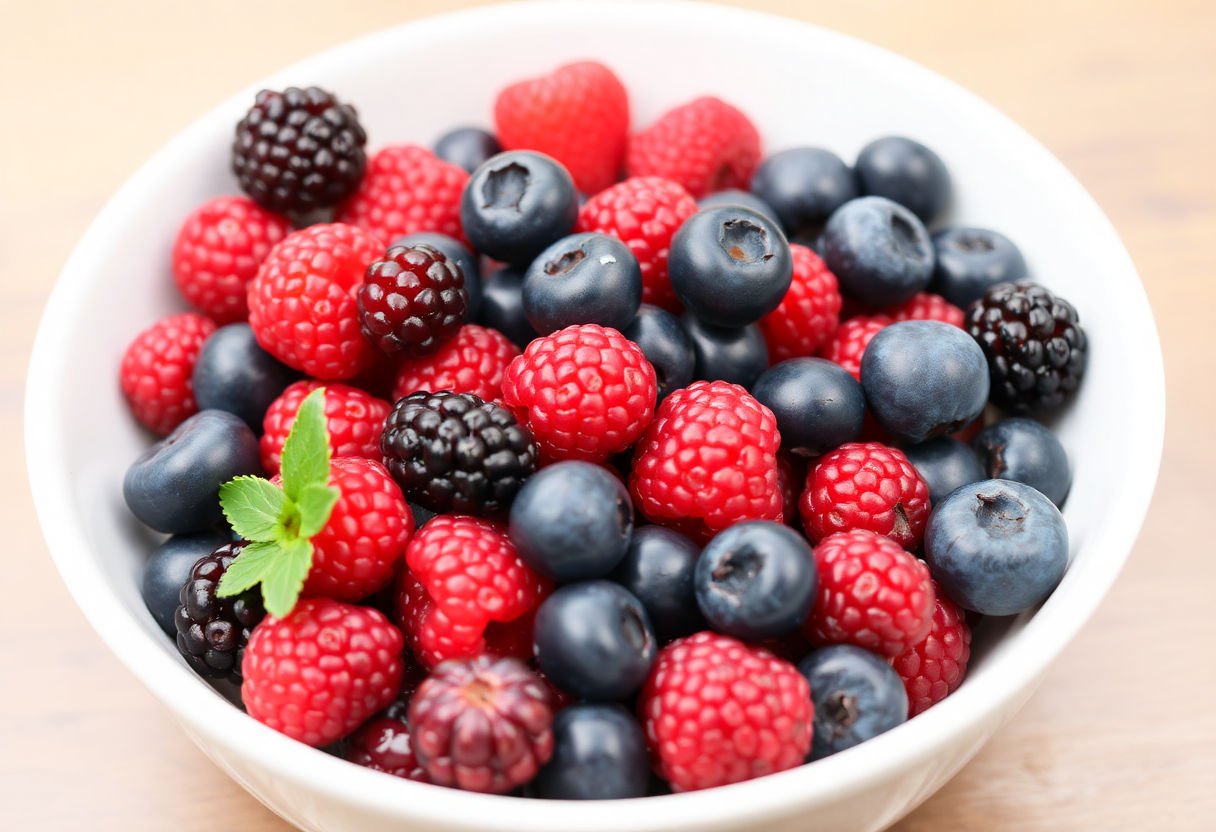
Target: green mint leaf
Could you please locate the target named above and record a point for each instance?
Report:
(306, 451)
(284, 576)
(315, 503)
(247, 570)
(253, 507)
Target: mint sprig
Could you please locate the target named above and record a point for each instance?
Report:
(280, 522)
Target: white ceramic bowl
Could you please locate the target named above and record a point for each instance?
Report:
(801, 85)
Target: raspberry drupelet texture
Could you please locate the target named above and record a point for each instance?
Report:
(872, 594)
(705, 145)
(412, 300)
(848, 343)
(473, 361)
(453, 452)
(1035, 347)
(585, 392)
(217, 253)
(383, 744)
(407, 189)
(643, 212)
(466, 592)
(578, 114)
(482, 724)
(718, 711)
(869, 486)
(934, 667)
(360, 548)
(157, 368)
(318, 674)
(298, 150)
(302, 304)
(708, 461)
(926, 306)
(212, 632)
(809, 313)
(354, 421)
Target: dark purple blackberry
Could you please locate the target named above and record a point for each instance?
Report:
(454, 453)
(412, 300)
(299, 150)
(1035, 348)
(212, 632)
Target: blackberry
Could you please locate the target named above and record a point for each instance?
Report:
(455, 453)
(212, 632)
(1035, 348)
(412, 300)
(299, 150)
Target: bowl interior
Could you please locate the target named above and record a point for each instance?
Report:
(800, 85)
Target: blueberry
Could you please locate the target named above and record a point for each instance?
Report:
(1024, 451)
(236, 375)
(857, 696)
(167, 569)
(594, 640)
(502, 306)
(586, 278)
(736, 355)
(804, 185)
(818, 405)
(878, 250)
(516, 204)
(944, 464)
(924, 379)
(746, 199)
(756, 580)
(459, 254)
(174, 485)
(970, 260)
(572, 521)
(997, 547)
(467, 147)
(599, 753)
(666, 346)
(730, 266)
(907, 172)
(658, 568)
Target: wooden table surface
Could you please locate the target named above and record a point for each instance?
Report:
(1122, 735)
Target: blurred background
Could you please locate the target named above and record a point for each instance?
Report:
(1122, 734)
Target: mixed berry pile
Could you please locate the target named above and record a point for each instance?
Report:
(583, 459)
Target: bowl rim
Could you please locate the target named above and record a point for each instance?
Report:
(1023, 658)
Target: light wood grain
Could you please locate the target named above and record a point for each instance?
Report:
(1122, 735)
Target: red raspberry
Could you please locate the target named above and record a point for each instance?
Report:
(718, 711)
(643, 212)
(157, 369)
(406, 189)
(383, 744)
(809, 313)
(217, 253)
(464, 578)
(474, 361)
(482, 724)
(354, 419)
(934, 667)
(412, 300)
(586, 392)
(302, 303)
(871, 593)
(359, 549)
(926, 306)
(708, 460)
(706, 145)
(319, 673)
(848, 344)
(865, 485)
(578, 114)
